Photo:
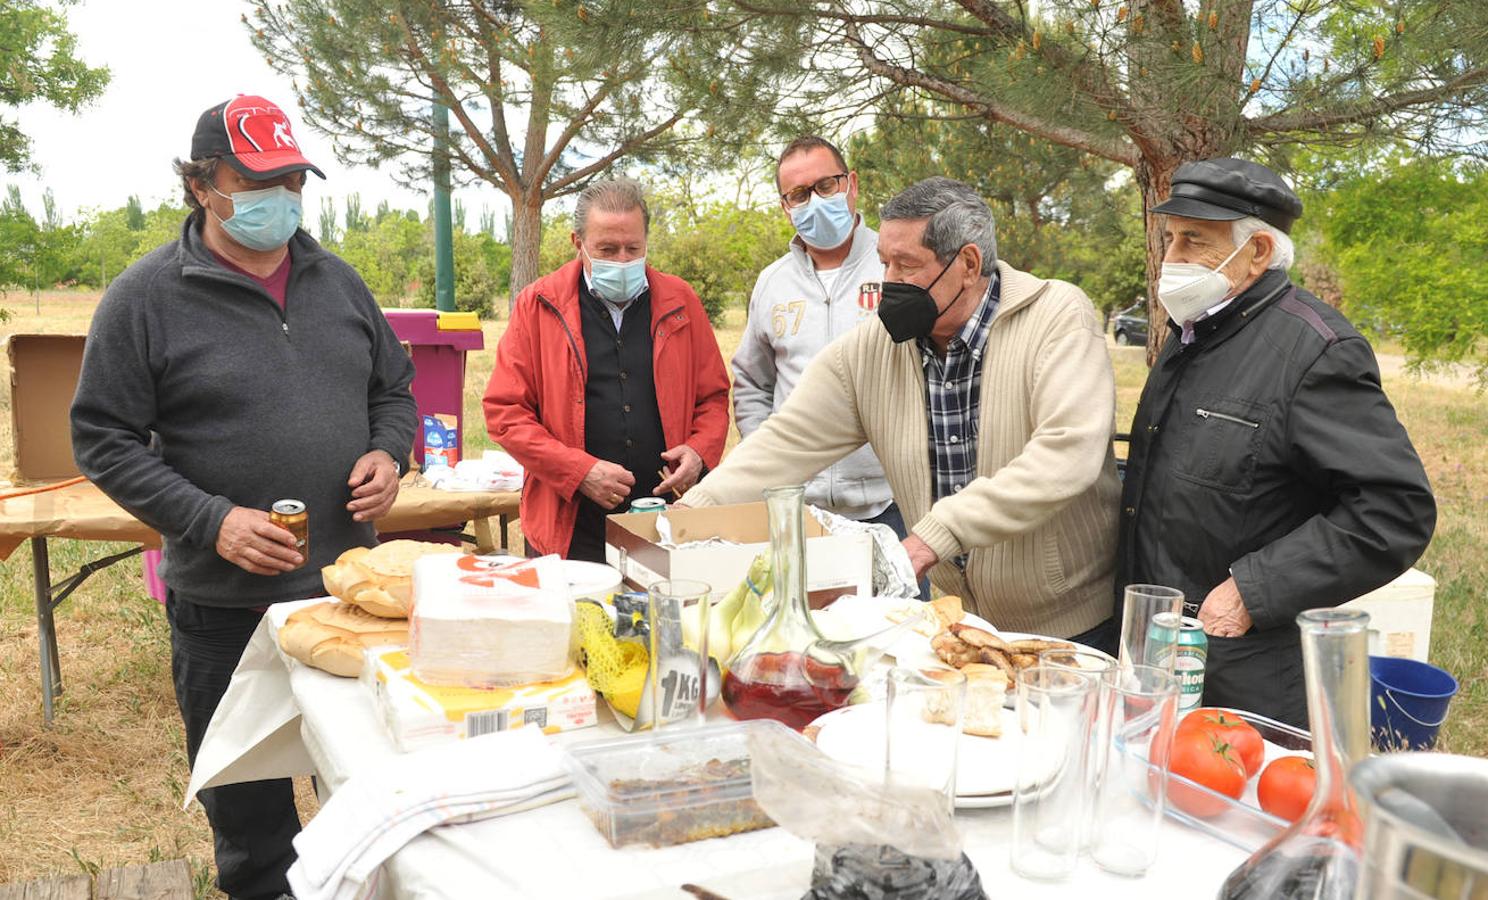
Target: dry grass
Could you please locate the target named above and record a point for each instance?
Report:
(102, 787)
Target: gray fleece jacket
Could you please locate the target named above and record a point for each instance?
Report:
(199, 393)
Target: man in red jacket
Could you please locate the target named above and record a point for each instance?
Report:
(609, 385)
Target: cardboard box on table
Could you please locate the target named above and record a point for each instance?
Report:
(418, 714)
(43, 377)
(836, 564)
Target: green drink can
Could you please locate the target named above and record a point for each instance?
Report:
(1182, 639)
(648, 505)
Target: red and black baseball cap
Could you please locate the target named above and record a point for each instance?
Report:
(253, 136)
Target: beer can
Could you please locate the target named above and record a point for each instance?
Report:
(1181, 638)
(292, 516)
(648, 505)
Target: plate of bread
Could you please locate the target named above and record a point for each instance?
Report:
(947, 638)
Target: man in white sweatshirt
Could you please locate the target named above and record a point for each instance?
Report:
(827, 282)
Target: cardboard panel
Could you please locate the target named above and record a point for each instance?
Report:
(43, 377)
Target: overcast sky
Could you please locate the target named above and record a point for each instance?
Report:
(170, 60)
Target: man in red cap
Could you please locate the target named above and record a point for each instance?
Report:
(237, 366)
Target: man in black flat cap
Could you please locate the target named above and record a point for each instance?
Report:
(1268, 473)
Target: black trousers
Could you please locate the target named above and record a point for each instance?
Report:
(254, 822)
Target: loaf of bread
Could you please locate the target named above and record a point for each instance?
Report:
(379, 579)
(331, 636)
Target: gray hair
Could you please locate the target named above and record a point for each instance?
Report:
(616, 195)
(1244, 229)
(202, 170)
(956, 216)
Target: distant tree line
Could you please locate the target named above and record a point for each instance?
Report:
(1397, 241)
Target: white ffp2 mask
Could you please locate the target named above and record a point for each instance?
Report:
(1187, 290)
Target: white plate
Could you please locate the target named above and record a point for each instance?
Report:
(986, 768)
(853, 616)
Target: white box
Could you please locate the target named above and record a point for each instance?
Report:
(1400, 615)
(836, 564)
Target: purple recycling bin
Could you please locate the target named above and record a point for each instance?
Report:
(439, 342)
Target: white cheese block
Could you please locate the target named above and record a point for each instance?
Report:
(484, 623)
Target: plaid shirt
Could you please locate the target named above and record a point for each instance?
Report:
(953, 396)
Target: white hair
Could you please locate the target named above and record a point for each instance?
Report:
(1281, 258)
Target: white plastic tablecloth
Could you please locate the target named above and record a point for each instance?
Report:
(281, 718)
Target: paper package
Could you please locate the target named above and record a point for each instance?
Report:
(481, 622)
(418, 714)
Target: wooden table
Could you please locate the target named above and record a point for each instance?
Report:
(82, 512)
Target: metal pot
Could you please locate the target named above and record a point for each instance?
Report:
(1427, 826)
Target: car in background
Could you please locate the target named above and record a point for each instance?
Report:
(1130, 325)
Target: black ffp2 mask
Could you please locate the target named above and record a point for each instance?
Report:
(907, 311)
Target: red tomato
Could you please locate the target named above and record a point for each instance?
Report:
(1203, 758)
(1233, 730)
(1286, 786)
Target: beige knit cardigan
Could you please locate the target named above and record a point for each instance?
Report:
(1039, 521)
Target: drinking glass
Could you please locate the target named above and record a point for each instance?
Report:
(1056, 707)
(1103, 668)
(678, 679)
(1133, 790)
(924, 712)
(1141, 645)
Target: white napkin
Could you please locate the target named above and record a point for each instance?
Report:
(494, 471)
(378, 811)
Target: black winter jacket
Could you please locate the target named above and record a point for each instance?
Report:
(1267, 449)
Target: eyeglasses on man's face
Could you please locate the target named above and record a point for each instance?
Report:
(824, 187)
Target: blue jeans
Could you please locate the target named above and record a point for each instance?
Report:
(895, 520)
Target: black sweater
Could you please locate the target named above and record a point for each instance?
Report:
(248, 403)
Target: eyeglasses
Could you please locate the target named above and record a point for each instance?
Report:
(824, 187)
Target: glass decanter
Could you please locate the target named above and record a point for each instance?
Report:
(1318, 857)
(768, 678)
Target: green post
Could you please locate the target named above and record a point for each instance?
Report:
(444, 250)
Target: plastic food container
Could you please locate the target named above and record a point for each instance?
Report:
(680, 786)
(1243, 823)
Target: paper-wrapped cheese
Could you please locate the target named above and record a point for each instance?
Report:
(380, 579)
(331, 636)
(484, 623)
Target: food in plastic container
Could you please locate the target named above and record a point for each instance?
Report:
(673, 788)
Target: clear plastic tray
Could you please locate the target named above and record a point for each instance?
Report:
(1243, 823)
(680, 786)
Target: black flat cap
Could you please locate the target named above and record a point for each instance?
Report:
(1227, 189)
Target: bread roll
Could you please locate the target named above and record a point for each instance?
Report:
(948, 610)
(986, 689)
(331, 636)
(379, 579)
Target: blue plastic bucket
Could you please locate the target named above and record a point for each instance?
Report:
(1408, 702)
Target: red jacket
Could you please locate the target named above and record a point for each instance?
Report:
(535, 400)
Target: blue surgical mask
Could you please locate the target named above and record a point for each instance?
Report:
(616, 282)
(824, 222)
(264, 219)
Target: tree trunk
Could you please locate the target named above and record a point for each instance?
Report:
(1155, 178)
(526, 241)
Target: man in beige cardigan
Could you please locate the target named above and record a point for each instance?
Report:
(988, 395)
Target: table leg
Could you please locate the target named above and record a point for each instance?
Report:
(506, 532)
(46, 627)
